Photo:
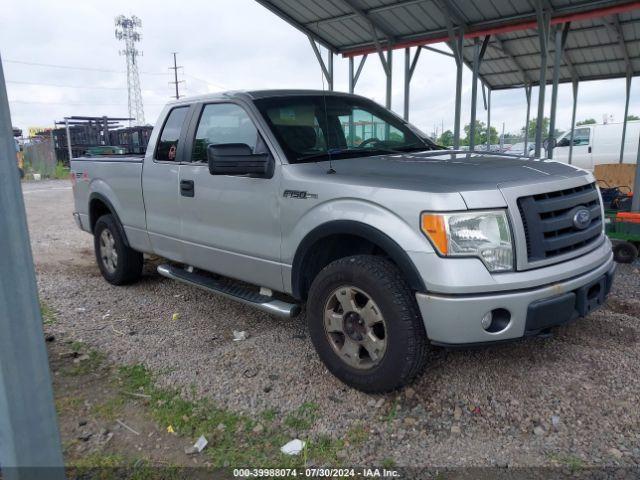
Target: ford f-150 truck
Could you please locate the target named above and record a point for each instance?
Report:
(284, 198)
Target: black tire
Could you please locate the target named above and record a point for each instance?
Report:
(128, 267)
(406, 340)
(625, 252)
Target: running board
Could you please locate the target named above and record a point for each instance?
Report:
(231, 289)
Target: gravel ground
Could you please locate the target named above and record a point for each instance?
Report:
(566, 400)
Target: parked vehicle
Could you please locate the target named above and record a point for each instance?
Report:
(598, 144)
(518, 149)
(331, 200)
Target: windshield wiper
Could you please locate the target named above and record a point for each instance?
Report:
(327, 154)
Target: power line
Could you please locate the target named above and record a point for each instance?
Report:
(221, 87)
(71, 67)
(64, 86)
(28, 102)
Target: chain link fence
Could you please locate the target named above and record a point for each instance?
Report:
(40, 157)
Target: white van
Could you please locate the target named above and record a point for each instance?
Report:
(598, 144)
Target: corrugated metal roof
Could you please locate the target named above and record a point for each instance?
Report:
(593, 48)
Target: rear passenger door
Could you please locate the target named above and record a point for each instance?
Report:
(161, 185)
(230, 224)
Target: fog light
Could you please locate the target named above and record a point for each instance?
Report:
(496, 320)
(486, 320)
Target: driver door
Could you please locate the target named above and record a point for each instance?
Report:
(230, 223)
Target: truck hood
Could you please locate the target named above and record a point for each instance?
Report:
(474, 176)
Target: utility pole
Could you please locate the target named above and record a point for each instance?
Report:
(175, 75)
(29, 437)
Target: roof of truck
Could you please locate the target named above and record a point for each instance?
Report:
(256, 94)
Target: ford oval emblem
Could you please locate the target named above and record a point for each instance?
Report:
(581, 218)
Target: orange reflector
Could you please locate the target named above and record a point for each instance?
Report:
(433, 227)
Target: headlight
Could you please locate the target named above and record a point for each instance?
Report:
(485, 235)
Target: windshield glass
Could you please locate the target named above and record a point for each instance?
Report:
(313, 128)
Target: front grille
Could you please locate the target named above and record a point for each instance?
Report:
(548, 220)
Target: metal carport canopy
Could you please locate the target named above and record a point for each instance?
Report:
(603, 41)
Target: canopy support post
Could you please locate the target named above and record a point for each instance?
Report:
(560, 39)
(488, 118)
(353, 77)
(478, 54)
(635, 202)
(409, 69)
(544, 27)
(574, 85)
(626, 114)
(327, 68)
(527, 92)
(456, 40)
(389, 74)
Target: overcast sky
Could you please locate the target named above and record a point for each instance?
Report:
(224, 44)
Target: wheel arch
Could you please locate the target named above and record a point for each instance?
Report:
(100, 205)
(304, 268)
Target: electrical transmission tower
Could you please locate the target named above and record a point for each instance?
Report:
(127, 30)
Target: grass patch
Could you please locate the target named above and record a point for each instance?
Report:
(303, 418)
(388, 463)
(109, 466)
(61, 172)
(49, 315)
(88, 360)
(357, 435)
(109, 409)
(573, 462)
(233, 439)
(393, 412)
(67, 404)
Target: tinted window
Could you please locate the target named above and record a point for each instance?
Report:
(223, 123)
(316, 127)
(580, 136)
(168, 143)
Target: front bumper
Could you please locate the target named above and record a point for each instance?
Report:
(456, 319)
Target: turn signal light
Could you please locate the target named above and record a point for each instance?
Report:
(433, 226)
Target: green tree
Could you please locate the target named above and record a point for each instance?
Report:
(633, 117)
(531, 134)
(480, 134)
(445, 139)
(586, 121)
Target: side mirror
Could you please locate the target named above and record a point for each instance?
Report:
(237, 159)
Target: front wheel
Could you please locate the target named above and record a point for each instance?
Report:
(365, 324)
(118, 263)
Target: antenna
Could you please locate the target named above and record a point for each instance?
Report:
(175, 75)
(126, 30)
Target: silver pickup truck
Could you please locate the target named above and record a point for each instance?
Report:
(281, 198)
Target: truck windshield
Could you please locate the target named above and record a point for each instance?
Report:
(316, 127)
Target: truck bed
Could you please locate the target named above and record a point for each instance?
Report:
(114, 180)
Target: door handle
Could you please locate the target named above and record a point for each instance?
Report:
(589, 149)
(187, 188)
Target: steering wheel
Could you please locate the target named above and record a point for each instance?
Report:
(366, 142)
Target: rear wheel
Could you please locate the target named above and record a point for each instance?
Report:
(625, 252)
(365, 325)
(118, 263)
